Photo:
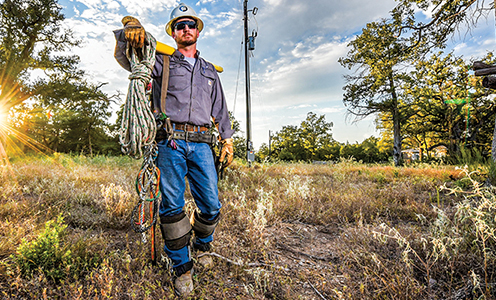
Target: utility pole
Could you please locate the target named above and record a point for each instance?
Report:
(250, 155)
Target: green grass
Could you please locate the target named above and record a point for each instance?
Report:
(289, 231)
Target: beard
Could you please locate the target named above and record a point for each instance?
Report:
(187, 41)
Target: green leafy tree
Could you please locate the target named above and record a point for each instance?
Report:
(447, 17)
(368, 151)
(31, 32)
(77, 111)
(348, 151)
(262, 153)
(287, 144)
(377, 56)
(312, 140)
(66, 112)
(452, 108)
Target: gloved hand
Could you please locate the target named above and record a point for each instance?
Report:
(134, 32)
(227, 150)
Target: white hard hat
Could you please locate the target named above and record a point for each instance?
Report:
(182, 11)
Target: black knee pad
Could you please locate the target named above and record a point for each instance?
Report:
(176, 230)
(203, 227)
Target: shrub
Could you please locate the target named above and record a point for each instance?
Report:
(49, 254)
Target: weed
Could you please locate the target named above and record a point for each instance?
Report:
(50, 255)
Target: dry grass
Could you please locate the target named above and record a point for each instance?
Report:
(289, 231)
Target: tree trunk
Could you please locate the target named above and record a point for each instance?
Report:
(397, 156)
(89, 142)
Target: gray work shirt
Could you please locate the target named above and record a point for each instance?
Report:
(194, 93)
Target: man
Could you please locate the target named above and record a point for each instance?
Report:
(193, 95)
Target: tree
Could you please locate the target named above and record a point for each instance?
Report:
(287, 144)
(239, 142)
(31, 37)
(262, 153)
(311, 141)
(368, 151)
(452, 107)
(447, 17)
(30, 33)
(377, 56)
(77, 120)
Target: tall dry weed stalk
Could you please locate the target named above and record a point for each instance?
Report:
(116, 200)
(263, 210)
(469, 230)
(297, 187)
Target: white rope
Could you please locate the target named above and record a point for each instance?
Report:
(138, 126)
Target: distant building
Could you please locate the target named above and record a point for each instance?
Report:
(410, 155)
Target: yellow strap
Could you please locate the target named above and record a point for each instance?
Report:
(168, 50)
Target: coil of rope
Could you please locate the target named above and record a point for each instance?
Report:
(138, 126)
(137, 132)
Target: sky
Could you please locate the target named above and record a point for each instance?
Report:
(294, 67)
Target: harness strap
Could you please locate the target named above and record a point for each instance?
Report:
(202, 227)
(176, 230)
(165, 82)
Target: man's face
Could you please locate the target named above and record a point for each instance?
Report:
(183, 34)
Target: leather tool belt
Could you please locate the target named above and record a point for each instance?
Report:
(194, 137)
(189, 127)
(188, 133)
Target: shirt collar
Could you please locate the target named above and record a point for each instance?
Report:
(179, 55)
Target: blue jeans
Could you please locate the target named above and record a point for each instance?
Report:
(196, 162)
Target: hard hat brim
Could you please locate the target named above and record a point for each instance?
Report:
(168, 26)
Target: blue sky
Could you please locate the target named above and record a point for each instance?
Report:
(294, 68)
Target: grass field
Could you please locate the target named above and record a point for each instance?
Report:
(289, 231)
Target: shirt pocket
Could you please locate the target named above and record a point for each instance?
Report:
(178, 78)
(208, 81)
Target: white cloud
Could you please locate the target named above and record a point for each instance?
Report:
(113, 5)
(141, 8)
(307, 72)
(330, 110)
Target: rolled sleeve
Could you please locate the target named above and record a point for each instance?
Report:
(120, 49)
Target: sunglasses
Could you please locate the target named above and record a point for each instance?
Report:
(182, 25)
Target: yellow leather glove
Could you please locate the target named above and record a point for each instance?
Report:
(227, 152)
(134, 32)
